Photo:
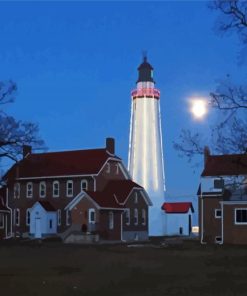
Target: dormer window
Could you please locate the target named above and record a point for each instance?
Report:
(136, 198)
(84, 185)
(69, 188)
(29, 189)
(108, 168)
(42, 189)
(17, 190)
(55, 189)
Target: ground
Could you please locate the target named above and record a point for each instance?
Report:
(177, 268)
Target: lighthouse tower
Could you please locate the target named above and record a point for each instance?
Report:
(145, 161)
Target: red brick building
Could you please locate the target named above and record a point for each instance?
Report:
(5, 216)
(87, 190)
(222, 198)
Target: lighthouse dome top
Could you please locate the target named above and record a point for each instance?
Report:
(145, 71)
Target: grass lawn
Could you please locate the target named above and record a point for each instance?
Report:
(52, 268)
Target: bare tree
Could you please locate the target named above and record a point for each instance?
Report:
(15, 133)
(230, 99)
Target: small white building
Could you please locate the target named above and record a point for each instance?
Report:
(42, 219)
(178, 218)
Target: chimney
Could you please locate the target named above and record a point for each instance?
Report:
(26, 150)
(110, 145)
(206, 155)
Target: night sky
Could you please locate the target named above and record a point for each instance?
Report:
(75, 64)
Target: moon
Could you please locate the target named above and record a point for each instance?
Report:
(198, 108)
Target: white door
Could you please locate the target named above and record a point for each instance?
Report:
(37, 228)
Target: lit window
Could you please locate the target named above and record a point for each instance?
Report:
(84, 185)
(17, 217)
(58, 217)
(143, 217)
(67, 217)
(55, 189)
(42, 189)
(28, 217)
(17, 190)
(69, 188)
(217, 213)
(135, 216)
(91, 216)
(1, 220)
(29, 189)
(127, 216)
(111, 220)
(240, 216)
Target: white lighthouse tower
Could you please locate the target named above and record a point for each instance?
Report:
(145, 161)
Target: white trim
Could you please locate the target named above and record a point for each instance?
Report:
(136, 216)
(86, 182)
(2, 220)
(94, 184)
(215, 213)
(42, 183)
(67, 218)
(55, 177)
(91, 210)
(235, 216)
(67, 188)
(58, 189)
(31, 190)
(244, 202)
(59, 216)
(28, 212)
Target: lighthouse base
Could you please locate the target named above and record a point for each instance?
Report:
(157, 221)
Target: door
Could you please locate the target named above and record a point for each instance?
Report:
(190, 225)
(37, 233)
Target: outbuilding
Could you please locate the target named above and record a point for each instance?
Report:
(178, 217)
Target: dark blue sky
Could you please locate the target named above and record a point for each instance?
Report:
(75, 65)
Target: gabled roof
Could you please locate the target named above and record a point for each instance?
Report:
(225, 165)
(114, 195)
(177, 207)
(78, 162)
(47, 206)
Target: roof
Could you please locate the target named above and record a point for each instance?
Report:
(225, 165)
(78, 162)
(145, 71)
(114, 195)
(47, 206)
(177, 207)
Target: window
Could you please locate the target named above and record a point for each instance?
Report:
(136, 198)
(127, 216)
(42, 189)
(117, 169)
(84, 185)
(135, 216)
(29, 189)
(17, 190)
(17, 217)
(240, 216)
(27, 217)
(219, 183)
(1, 220)
(217, 213)
(58, 217)
(69, 188)
(50, 223)
(143, 217)
(218, 239)
(108, 168)
(67, 217)
(111, 220)
(91, 216)
(55, 189)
